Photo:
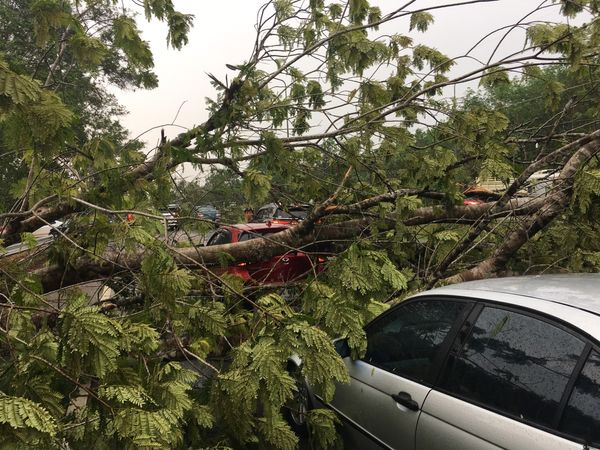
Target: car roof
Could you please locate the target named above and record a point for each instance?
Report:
(257, 226)
(581, 291)
(291, 207)
(269, 205)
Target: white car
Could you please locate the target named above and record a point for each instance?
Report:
(171, 214)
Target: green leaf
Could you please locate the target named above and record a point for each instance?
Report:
(359, 9)
(88, 51)
(554, 90)
(19, 88)
(48, 15)
(210, 317)
(141, 336)
(420, 20)
(29, 240)
(127, 38)
(20, 412)
(374, 16)
(277, 432)
(135, 395)
(179, 28)
(494, 77)
(586, 189)
(532, 72)
(203, 416)
(256, 185)
(91, 335)
(322, 426)
(315, 94)
(283, 9)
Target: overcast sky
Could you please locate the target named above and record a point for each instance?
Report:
(223, 33)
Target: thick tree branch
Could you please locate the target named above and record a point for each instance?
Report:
(299, 236)
(482, 223)
(553, 205)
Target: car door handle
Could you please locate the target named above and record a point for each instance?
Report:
(405, 399)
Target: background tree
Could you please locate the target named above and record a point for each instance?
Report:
(221, 188)
(327, 108)
(76, 51)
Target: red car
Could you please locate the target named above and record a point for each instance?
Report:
(278, 270)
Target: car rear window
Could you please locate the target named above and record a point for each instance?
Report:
(246, 236)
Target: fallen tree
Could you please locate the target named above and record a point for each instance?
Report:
(327, 108)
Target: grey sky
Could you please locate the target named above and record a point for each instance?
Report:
(224, 33)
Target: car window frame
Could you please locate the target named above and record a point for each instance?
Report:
(589, 344)
(440, 359)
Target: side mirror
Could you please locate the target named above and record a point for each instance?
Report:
(342, 347)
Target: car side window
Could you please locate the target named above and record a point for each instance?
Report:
(222, 236)
(581, 417)
(514, 363)
(263, 214)
(407, 340)
(245, 236)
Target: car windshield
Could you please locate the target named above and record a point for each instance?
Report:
(263, 214)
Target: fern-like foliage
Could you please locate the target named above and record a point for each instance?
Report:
(322, 424)
(163, 280)
(134, 395)
(20, 413)
(275, 432)
(25, 424)
(321, 365)
(91, 337)
(587, 188)
(18, 88)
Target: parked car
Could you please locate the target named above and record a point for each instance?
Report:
(83, 219)
(476, 195)
(276, 213)
(207, 212)
(503, 363)
(278, 270)
(56, 228)
(541, 183)
(171, 214)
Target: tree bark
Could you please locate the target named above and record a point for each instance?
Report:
(300, 236)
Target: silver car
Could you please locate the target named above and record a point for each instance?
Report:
(501, 363)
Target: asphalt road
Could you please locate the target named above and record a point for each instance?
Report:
(43, 237)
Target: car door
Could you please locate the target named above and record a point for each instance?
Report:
(504, 384)
(381, 405)
(271, 271)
